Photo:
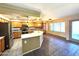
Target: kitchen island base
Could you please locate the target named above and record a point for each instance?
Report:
(31, 43)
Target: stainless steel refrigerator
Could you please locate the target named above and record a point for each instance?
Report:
(6, 30)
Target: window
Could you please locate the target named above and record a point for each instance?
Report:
(57, 27)
(62, 25)
(51, 27)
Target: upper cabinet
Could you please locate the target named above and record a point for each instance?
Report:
(16, 24)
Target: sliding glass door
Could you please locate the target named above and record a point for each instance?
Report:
(75, 30)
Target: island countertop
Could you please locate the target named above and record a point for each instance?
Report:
(35, 33)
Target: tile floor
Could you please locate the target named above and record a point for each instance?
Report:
(16, 49)
(52, 46)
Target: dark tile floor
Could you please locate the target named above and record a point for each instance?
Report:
(53, 46)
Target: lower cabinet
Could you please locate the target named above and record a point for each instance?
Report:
(2, 44)
(16, 35)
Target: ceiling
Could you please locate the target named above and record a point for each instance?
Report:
(52, 10)
(56, 10)
(10, 9)
(49, 10)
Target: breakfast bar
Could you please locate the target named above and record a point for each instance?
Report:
(31, 41)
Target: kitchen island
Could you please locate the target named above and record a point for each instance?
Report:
(31, 41)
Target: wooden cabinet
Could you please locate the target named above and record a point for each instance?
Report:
(2, 44)
(16, 24)
(17, 35)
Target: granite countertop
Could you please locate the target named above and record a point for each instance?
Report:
(1, 37)
(33, 34)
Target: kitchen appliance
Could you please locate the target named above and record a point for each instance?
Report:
(6, 30)
(24, 29)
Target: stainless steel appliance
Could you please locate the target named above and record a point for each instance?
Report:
(6, 30)
(24, 29)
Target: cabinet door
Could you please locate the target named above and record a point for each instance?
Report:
(19, 34)
(16, 34)
(0, 46)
